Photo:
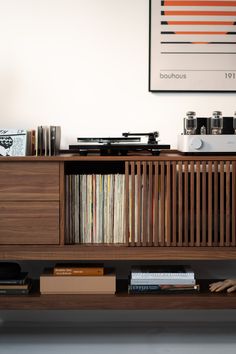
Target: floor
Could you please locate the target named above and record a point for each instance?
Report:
(117, 338)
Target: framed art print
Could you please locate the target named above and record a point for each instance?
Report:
(192, 45)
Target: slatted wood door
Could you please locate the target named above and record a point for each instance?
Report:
(181, 203)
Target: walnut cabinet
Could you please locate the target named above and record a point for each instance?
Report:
(174, 208)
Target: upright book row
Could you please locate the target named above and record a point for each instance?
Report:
(45, 141)
(95, 208)
(48, 140)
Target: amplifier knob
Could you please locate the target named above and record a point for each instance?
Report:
(196, 143)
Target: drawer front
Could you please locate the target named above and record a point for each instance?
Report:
(29, 223)
(29, 181)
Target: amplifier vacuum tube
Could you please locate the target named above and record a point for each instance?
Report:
(216, 123)
(190, 123)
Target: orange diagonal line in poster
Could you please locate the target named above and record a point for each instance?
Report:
(199, 13)
(198, 3)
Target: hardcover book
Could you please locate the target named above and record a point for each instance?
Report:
(162, 272)
(15, 292)
(56, 284)
(48, 140)
(78, 269)
(54, 140)
(16, 289)
(162, 281)
(21, 279)
(157, 289)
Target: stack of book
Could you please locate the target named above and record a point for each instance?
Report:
(18, 285)
(78, 279)
(157, 279)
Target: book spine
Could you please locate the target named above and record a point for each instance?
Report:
(177, 287)
(143, 289)
(14, 291)
(79, 271)
(149, 289)
(13, 281)
(33, 141)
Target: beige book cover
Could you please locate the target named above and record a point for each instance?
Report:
(56, 284)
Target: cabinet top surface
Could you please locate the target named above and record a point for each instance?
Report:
(170, 155)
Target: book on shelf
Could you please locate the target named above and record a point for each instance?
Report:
(31, 140)
(162, 275)
(78, 269)
(48, 140)
(20, 279)
(163, 281)
(162, 272)
(60, 284)
(14, 292)
(16, 289)
(54, 140)
(13, 142)
(157, 289)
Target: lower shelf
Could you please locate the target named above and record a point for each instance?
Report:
(121, 301)
(113, 252)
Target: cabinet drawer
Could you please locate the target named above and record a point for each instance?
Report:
(31, 223)
(29, 181)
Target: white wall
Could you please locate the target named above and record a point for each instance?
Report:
(83, 64)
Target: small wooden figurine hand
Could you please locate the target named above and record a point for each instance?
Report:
(229, 284)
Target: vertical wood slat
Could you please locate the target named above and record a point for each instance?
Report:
(156, 223)
(222, 191)
(174, 230)
(139, 206)
(126, 203)
(186, 209)
(150, 205)
(233, 214)
(165, 210)
(62, 203)
(162, 206)
(227, 204)
(215, 238)
(168, 204)
(180, 204)
(144, 208)
(209, 234)
(132, 195)
(71, 210)
(67, 211)
(198, 205)
(204, 211)
(192, 203)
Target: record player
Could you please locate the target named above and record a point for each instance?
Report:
(128, 144)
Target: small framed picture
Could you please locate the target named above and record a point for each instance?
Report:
(192, 45)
